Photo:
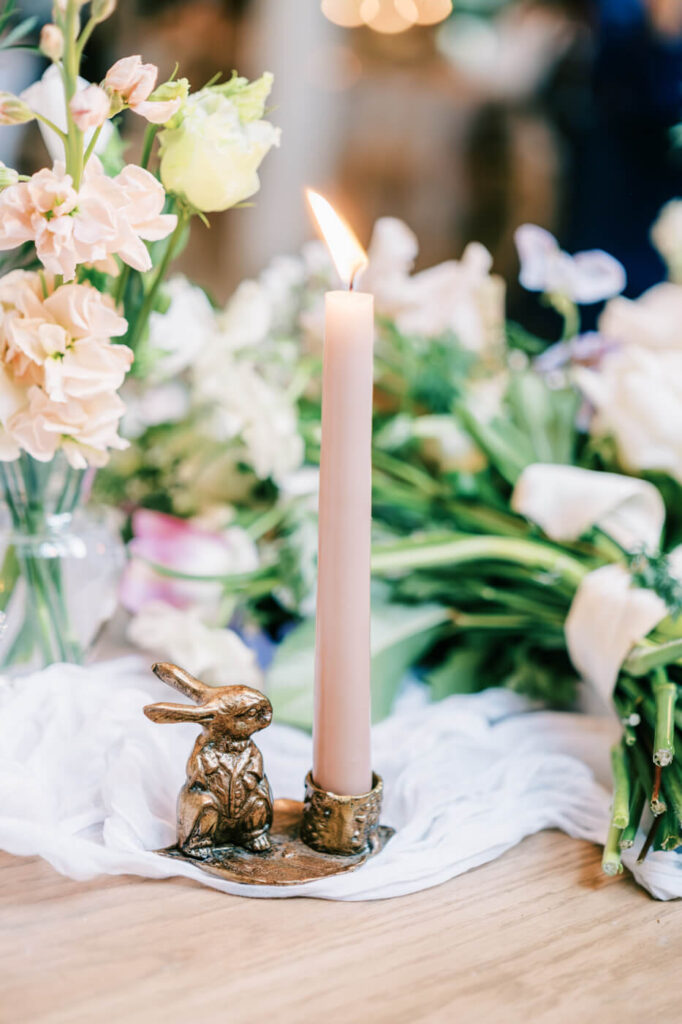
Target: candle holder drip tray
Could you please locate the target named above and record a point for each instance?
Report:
(228, 823)
(289, 861)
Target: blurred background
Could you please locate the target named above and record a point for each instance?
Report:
(464, 118)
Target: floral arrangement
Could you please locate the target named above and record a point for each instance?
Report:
(526, 494)
(89, 241)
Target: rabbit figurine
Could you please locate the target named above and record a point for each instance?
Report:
(226, 798)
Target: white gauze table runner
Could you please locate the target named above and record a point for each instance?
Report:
(88, 783)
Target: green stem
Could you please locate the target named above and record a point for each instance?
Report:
(51, 125)
(456, 549)
(84, 38)
(635, 811)
(647, 656)
(620, 814)
(147, 144)
(120, 290)
(672, 787)
(91, 145)
(665, 694)
(71, 64)
(610, 862)
(151, 296)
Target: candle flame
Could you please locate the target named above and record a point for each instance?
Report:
(348, 255)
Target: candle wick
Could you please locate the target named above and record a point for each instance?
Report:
(351, 283)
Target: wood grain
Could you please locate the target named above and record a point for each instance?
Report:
(538, 936)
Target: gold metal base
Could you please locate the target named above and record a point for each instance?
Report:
(290, 861)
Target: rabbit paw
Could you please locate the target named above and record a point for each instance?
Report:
(259, 844)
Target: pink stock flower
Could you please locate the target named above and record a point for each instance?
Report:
(90, 107)
(59, 370)
(133, 83)
(131, 79)
(180, 545)
(84, 430)
(107, 217)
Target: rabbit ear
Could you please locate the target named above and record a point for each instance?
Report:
(180, 680)
(176, 713)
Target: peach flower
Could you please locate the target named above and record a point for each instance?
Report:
(83, 429)
(107, 217)
(132, 83)
(90, 107)
(59, 370)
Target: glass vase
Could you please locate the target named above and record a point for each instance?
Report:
(59, 566)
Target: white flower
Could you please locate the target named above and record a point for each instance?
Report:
(218, 656)
(247, 318)
(637, 395)
(248, 408)
(46, 97)
(653, 320)
(149, 405)
(212, 149)
(585, 278)
(666, 235)
(608, 616)
(459, 296)
(178, 335)
(566, 501)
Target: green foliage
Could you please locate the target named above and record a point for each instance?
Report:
(401, 634)
(11, 35)
(653, 572)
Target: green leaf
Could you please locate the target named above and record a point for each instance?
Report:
(460, 672)
(401, 634)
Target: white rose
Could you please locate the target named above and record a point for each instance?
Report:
(212, 149)
(637, 395)
(666, 235)
(218, 656)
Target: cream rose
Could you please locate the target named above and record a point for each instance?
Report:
(212, 149)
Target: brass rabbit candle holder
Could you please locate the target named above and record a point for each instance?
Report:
(228, 823)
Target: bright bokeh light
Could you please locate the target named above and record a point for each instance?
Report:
(384, 16)
(345, 13)
(348, 255)
(430, 12)
(388, 16)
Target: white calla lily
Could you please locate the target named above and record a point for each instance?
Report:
(608, 616)
(566, 501)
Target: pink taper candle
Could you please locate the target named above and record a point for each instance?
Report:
(341, 731)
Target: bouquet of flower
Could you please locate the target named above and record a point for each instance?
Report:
(89, 242)
(525, 497)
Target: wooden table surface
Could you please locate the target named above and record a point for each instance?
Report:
(537, 936)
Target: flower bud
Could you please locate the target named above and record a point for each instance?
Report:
(13, 110)
(176, 90)
(89, 107)
(8, 176)
(100, 10)
(52, 42)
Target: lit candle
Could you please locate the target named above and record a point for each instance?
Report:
(341, 731)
